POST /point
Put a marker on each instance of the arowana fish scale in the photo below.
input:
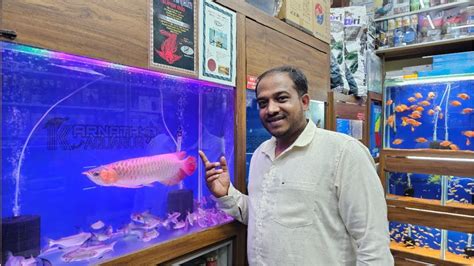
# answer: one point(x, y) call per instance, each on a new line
point(168, 169)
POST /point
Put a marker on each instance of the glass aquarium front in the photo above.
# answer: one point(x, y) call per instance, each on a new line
point(452, 246)
point(430, 113)
point(100, 160)
point(453, 191)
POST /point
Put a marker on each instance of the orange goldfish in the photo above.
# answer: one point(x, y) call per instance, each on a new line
point(468, 134)
point(415, 115)
point(440, 115)
point(391, 120)
point(413, 107)
point(445, 143)
point(418, 95)
point(168, 169)
point(420, 109)
point(431, 112)
point(389, 102)
point(463, 96)
point(468, 142)
point(424, 103)
point(467, 111)
point(431, 95)
point(456, 103)
point(411, 99)
point(454, 147)
point(421, 140)
point(401, 108)
point(397, 141)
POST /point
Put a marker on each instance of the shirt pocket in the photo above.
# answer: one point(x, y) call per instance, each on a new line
point(295, 204)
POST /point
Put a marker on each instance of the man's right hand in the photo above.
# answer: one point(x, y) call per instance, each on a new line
point(217, 180)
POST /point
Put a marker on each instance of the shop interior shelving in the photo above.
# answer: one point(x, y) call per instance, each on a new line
point(426, 212)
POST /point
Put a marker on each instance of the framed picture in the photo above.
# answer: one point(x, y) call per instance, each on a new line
point(173, 35)
point(217, 44)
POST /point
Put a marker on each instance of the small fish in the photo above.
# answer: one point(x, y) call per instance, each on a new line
point(389, 102)
point(87, 253)
point(397, 141)
point(463, 96)
point(466, 111)
point(431, 112)
point(168, 169)
point(454, 147)
point(412, 99)
point(424, 103)
point(413, 107)
point(70, 241)
point(445, 143)
point(440, 115)
point(97, 225)
point(106, 235)
point(431, 95)
point(421, 140)
point(418, 95)
point(401, 108)
point(179, 225)
point(415, 115)
point(391, 120)
point(468, 133)
point(468, 142)
point(150, 235)
point(455, 103)
point(147, 219)
point(419, 109)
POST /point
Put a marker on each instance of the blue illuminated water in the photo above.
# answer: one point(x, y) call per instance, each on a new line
point(108, 113)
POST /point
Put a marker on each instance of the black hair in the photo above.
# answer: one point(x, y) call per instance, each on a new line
point(297, 76)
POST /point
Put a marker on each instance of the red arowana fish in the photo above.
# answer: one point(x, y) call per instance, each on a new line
point(168, 169)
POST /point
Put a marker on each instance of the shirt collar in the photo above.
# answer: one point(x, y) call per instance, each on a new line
point(303, 139)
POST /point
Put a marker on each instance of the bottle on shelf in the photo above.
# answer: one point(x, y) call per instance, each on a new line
point(399, 32)
point(410, 24)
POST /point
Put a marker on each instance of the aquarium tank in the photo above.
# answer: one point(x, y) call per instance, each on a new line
point(430, 113)
point(100, 160)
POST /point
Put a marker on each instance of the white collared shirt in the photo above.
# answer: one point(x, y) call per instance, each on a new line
point(320, 202)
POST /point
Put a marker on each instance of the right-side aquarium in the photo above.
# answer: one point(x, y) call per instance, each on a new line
point(430, 113)
point(100, 160)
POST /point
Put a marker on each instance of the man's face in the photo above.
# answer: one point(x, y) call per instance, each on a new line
point(281, 109)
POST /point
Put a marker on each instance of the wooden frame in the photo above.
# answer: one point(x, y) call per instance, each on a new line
point(347, 107)
point(454, 216)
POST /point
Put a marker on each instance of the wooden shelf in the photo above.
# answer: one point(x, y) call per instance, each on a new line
point(428, 255)
point(429, 48)
point(430, 204)
point(437, 7)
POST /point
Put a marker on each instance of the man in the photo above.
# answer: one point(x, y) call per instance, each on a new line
point(314, 197)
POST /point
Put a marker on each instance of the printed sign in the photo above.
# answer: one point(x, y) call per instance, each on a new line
point(173, 35)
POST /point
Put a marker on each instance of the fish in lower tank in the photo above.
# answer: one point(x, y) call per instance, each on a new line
point(430, 114)
point(432, 241)
point(456, 190)
point(134, 133)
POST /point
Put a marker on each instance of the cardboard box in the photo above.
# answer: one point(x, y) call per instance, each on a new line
point(321, 20)
point(298, 13)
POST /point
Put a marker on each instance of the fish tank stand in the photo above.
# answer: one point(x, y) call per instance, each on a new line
point(21, 236)
point(181, 201)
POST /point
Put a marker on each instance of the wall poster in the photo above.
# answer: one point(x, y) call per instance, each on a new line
point(173, 35)
point(217, 45)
